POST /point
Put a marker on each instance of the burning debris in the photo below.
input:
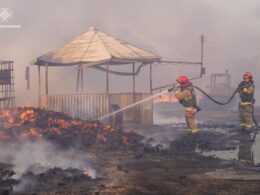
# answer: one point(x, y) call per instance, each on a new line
point(45, 149)
point(19, 124)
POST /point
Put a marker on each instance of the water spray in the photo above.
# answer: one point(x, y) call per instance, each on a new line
point(134, 104)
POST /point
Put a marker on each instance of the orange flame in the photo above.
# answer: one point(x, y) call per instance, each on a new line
point(108, 127)
point(28, 115)
point(165, 98)
point(61, 123)
point(23, 123)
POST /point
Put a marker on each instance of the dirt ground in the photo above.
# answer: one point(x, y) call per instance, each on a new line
point(176, 168)
point(165, 161)
point(156, 173)
point(174, 172)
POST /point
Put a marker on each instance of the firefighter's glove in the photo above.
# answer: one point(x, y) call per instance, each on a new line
point(176, 91)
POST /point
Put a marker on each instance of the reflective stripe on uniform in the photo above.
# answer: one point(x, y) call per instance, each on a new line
point(242, 124)
point(193, 131)
point(245, 125)
point(248, 126)
point(189, 109)
point(245, 103)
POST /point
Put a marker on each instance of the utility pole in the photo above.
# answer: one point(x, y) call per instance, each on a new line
point(202, 70)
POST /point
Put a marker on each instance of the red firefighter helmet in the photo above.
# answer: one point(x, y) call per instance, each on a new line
point(248, 74)
point(183, 80)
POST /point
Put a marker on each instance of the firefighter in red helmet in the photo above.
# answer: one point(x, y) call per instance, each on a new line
point(246, 94)
point(187, 97)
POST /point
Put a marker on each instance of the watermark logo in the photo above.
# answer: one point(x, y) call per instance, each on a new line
point(5, 14)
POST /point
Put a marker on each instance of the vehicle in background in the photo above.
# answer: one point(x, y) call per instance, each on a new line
point(220, 89)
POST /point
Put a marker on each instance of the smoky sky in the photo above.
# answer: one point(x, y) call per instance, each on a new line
point(169, 28)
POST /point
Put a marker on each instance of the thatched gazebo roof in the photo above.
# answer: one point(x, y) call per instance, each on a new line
point(95, 48)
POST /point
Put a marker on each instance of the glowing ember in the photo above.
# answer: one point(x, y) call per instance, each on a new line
point(61, 123)
point(28, 115)
point(33, 132)
point(101, 137)
point(33, 123)
point(56, 130)
point(108, 127)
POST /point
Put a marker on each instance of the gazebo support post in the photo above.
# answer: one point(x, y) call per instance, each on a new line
point(151, 78)
point(134, 78)
point(107, 79)
point(46, 76)
point(151, 86)
point(134, 95)
point(39, 85)
point(107, 90)
point(77, 84)
point(82, 79)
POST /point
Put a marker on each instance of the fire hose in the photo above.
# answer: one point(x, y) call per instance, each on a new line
point(229, 100)
point(171, 89)
point(212, 99)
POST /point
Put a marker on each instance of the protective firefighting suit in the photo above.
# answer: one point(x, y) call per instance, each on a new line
point(246, 94)
point(187, 97)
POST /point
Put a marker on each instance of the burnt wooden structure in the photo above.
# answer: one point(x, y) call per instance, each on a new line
point(97, 50)
point(7, 98)
point(91, 106)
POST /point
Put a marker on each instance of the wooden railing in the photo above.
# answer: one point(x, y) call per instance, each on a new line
point(94, 105)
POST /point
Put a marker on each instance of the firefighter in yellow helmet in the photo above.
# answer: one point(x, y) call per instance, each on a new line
point(187, 97)
point(246, 94)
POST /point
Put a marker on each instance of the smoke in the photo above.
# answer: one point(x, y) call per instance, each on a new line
point(169, 28)
point(26, 156)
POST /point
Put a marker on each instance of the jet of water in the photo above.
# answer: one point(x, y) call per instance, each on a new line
point(132, 105)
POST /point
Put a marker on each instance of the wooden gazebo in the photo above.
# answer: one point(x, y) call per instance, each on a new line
point(96, 49)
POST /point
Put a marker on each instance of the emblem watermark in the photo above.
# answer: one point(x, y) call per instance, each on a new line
point(6, 15)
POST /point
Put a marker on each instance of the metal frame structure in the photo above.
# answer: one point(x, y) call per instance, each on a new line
point(7, 98)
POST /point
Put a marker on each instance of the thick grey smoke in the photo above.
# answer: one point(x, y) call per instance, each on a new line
point(24, 156)
point(169, 28)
